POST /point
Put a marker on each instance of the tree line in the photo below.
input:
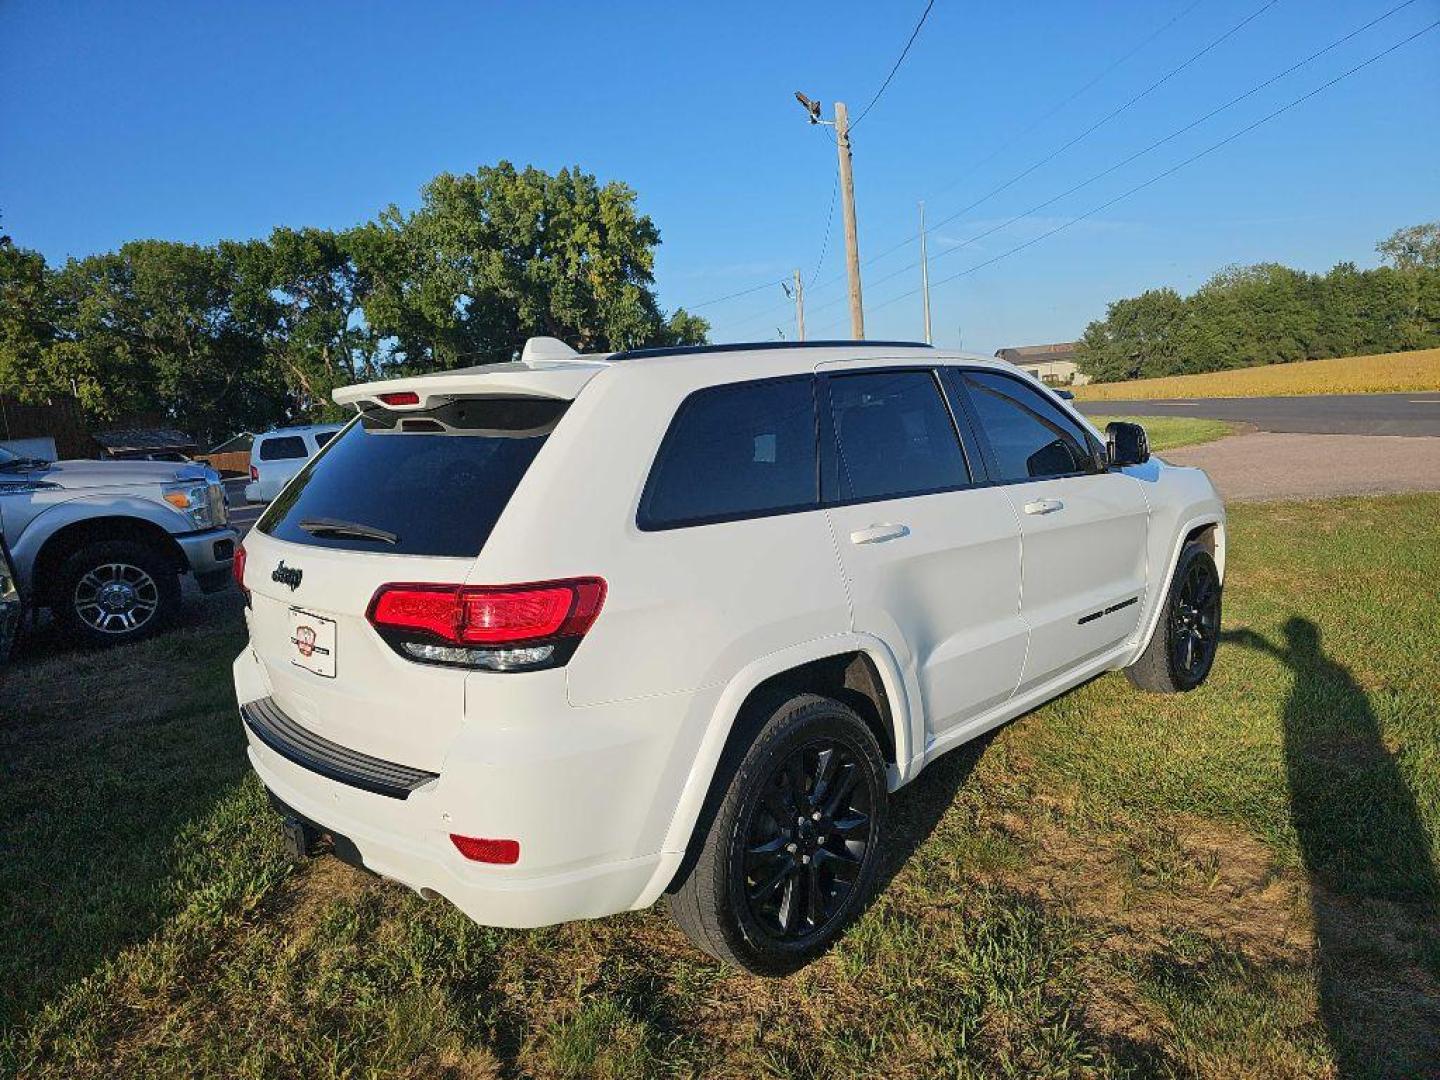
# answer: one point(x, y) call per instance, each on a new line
point(242, 335)
point(1246, 316)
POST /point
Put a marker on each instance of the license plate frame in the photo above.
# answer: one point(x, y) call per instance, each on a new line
point(312, 643)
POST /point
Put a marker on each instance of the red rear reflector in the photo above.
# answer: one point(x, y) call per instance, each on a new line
point(237, 568)
point(477, 849)
point(401, 397)
point(491, 615)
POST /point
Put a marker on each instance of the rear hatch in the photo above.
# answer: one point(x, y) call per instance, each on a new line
point(407, 493)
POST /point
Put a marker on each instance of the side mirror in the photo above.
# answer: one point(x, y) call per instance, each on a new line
point(1068, 395)
point(1126, 444)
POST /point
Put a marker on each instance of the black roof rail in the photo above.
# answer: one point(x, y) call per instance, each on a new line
point(755, 346)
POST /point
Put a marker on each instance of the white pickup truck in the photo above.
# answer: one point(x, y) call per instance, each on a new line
point(103, 543)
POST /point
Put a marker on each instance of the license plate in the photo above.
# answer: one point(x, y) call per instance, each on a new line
point(312, 642)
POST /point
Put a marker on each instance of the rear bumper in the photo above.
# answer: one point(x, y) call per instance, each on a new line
point(407, 839)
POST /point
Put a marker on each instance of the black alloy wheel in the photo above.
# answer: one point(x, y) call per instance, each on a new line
point(1194, 628)
point(806, 839)
point(789, 845)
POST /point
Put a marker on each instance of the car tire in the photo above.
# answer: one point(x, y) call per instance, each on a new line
point(115, 591)
point(1182, 648)
point(793, 846)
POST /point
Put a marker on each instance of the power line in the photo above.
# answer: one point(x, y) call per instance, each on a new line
point(1232, 31)
point(733, 295)
point(1174, 168)
point(825, 243)
point(1152, 146)
point(913, 35)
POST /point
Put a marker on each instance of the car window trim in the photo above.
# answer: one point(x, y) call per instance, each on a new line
point(647, 524)
point(962, 391)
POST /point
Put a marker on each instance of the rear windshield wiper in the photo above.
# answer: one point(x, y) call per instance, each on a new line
point(334, 527)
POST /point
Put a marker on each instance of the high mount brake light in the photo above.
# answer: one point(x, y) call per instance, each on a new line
point(499, 628)
point(400, 397)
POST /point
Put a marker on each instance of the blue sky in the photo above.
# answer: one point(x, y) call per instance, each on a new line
point(197, 121)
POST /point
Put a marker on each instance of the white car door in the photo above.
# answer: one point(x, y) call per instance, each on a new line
point(932, 561)
point(1083, 527)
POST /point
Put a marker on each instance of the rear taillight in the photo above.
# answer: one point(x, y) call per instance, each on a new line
point(254, 475)
point(237, 569)
point(497, 628)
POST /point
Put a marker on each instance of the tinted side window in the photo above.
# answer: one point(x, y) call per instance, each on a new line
point(323, 437)
point(1030, 437)
point(735, 451)
point(282, 447)
point(893, 436)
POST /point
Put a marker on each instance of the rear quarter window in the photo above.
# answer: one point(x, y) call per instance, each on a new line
point(742, 450)
point(283, 447)
point(435, 480)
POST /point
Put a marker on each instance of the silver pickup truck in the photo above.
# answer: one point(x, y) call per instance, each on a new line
point(103, 543)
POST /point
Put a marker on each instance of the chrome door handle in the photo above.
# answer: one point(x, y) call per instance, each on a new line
point(1044, 506)
point(877, 534)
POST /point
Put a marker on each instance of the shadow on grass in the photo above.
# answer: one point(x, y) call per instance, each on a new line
point(1367, 855)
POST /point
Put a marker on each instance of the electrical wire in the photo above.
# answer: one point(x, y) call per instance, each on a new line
point(903, 52)
point(1174, 168)
point(1232, 31)
point(1142, 152)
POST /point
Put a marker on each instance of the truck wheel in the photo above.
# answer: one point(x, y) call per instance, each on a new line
point(1182, 648)
point(115, 591)
point(792, 853)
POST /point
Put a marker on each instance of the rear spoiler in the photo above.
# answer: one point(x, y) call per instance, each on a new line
point(547, 368)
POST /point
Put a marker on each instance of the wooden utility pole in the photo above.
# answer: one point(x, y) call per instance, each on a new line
point(852, 240)
point(799, 308)
point(925, 275)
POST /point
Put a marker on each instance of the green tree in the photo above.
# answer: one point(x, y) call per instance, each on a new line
point(497, 256)
point(302, 293)
point(150, 331)
point(26, 322)
point(1412, 248)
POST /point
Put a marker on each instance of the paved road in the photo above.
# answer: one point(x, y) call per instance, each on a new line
point(1269, 465)
point(1331, 414)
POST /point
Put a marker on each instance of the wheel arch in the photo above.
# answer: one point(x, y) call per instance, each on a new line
point(1208, 527)
point(70, 537)
point(854, 668)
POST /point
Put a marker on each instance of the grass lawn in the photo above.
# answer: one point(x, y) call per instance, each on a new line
point(1173, 432)
point(1387, 373)
point(1236, 882)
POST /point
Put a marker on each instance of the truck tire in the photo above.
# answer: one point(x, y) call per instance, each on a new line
point(1182, 648)
point(793, 851)
point(115, 591)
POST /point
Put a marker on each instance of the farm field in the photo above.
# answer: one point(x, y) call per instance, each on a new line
point(1386, 373)
point(1235, 882)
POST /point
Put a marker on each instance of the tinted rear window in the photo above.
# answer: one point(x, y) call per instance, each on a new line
point(283, 447)
point(893, 436)
point(742, 450)
point(437, 480)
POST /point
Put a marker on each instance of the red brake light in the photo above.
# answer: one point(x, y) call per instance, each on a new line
point(477, 849)
point(490, 617)
point(400, 397)
point(237, 569)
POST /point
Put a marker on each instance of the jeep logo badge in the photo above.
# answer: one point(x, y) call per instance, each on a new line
point(287, 575)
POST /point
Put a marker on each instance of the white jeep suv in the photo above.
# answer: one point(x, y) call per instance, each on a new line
point(554, 637)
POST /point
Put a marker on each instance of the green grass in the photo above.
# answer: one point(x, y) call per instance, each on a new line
point(1173, 432)
point(1235, 882)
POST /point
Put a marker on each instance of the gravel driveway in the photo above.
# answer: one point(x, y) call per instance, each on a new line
point(1266, 465)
